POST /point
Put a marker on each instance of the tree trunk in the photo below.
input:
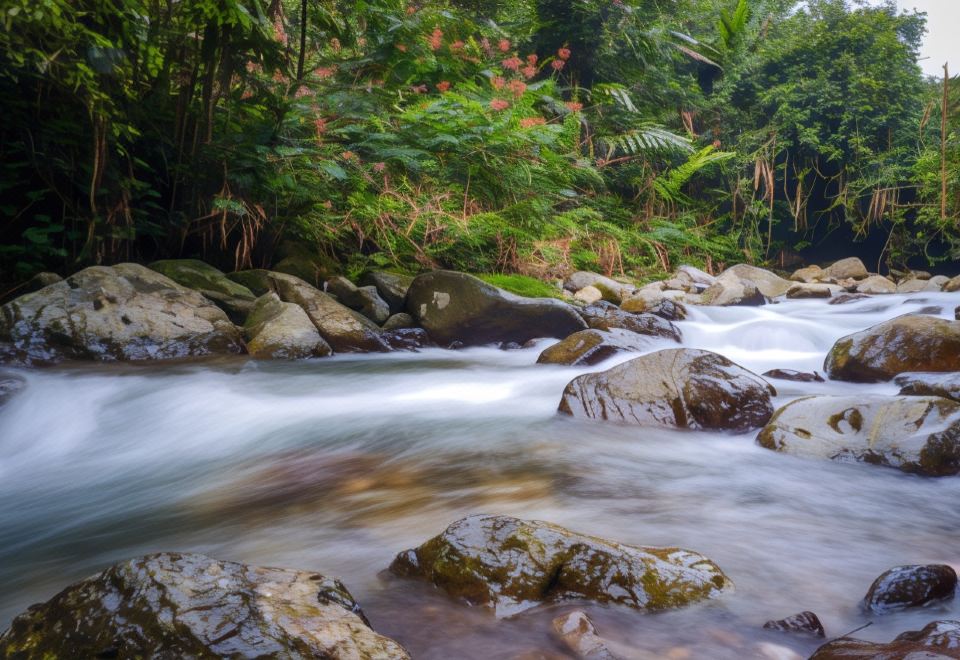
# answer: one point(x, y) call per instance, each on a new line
point(303, 39)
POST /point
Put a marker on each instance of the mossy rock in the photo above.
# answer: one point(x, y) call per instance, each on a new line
point(172, 605)
point(391, 286)
point(937, 640)
point(903, 587)
point(509, 565)
point(589, 347)
point(232, 297)
point(279, 330)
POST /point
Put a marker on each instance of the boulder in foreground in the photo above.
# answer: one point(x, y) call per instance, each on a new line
point(510, 565)
point(910, 586)
point(173, 605)
point(456, 307)
point(936, 641)
point(674, 388)
point(915, 434)
point(589, 347)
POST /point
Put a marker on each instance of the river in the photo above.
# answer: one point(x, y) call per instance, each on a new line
point(335, 465)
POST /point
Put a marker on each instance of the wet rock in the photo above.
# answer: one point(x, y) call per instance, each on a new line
point(407, 339)
point(606, 316)
point(939, 281)
point(673, 388)
point(233, 298)
point(510, 565)
point(729, 289)
point(915, 434)
point(946, 385)
point(936, 641)
point(910, 586)
point(915, 285)
point(589, 347)
point(279, 330)
point(298, 260)
point(770, 284)
point(956, 313)
point(256, 280)
point(392, 287)
point(122, 312)
point(845, 298)
point(812, 291)
point(646, 300)
point(694, 278)
point(906, 343)
point(851, 267)
point(804, 622)
point(808, 275)
point(876, 284)
point(610, 290)
point(671, 310)
point(588, 295)
point(796, 376)
point(952, 285)
point(364, 299)
point(39, 281)
point(578, 634)
point(456, 307)
point(399, 321)
point(174, 605)
point(10, 384)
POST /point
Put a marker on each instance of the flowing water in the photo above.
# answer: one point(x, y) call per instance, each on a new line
point(335, 465)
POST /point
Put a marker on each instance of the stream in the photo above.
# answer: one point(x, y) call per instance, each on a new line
point(334, 465)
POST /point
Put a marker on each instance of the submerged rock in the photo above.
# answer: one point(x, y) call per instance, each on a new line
point(10, 384)
point(578, 634)
point(606, 316)
point(906, 343)
point(122, 312)
point(510, 565)
point(673, 388)
point(283, 331)
point(456, 307)
point(914, 434)
point(804, 622)
point(937, 641)
point(796, 376)
point(233, 298)
point(910, 586)
point(946, 385)
point(172, 605)
point(589, 347)
point(845, 298)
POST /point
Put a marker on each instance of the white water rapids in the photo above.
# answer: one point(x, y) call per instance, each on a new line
point(335, 465)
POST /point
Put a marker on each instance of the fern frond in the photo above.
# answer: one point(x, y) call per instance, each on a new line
point(649, 139)
point(669, 185)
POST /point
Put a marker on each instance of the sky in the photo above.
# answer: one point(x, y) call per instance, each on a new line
point(940, 43)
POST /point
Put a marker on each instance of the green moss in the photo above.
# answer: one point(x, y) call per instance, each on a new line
point(521, 285)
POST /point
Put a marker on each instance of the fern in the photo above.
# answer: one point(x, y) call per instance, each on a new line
point(649, 139)
point(669, 185)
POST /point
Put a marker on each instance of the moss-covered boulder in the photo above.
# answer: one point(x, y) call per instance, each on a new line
point(256, 280)
point(122, 312)
point(173, 605)
point(946, 385)
point(279, 330)
point(906, 343)
point(938, 640)
point(392, 287)
point(606, 316)
point(910, 586)
point(589, 347)
point(509, 565)
point(915, 434)
point(674, 388)
point(456, 307)
point(363, 299)
point(233, 298)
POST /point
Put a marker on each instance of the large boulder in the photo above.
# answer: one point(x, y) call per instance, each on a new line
point(808, 274)
point(730, 289)
point(915, 434)
point(906, 343)
point(946, 385)
point(606, 316)
point(910, 586)
point(392, 287)
point(233, 298)
point(589, 347)
point(952, 284)
point(673, 388)
point(122, 312)
point(279, 330)
point(173, 605)
point(938, 640)
point(770, 284)
point(876, 284)
point(456, 307)
point(849, 268)
point(510, 565)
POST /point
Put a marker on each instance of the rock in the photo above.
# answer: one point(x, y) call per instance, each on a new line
point(917, 285)
point(910, 586)
point(610, 290)
point(363, 299)
point(10, 384)
point(456, 307)
point(344, 329)
point(851, 267)
point(510, 565)
point(280, 330)
point(808, 275)
point(696, 279)
point(845, 298)
point(643, 300)
point(920, 275)
point(796, 376)
point(905, 343)
point(588, 295)
point(407, 339)
point(770, 284)
point(41, 280)
point(392, 287)
point(606, 316)
point(915, 434)
point(956, 313)
point(673, 388)
point(233, 298)
point(938, 640)
point(876, 284)
point(671, 310)
point(925, 384)
point(729, 289)
point(589, 347)
point(938, 281)
point(299, 260)
point(399, 321)
point(256, 280)
point(804, 622)
point(122, 312)
point(952, 285)
point(172, 605)
point(578, 634)
point(812, 291)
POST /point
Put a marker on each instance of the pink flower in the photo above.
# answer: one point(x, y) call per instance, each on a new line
point(557, 64)
point(499, 104)
point(518, 87)
point(563, 53)
point(418, 89)
point(485, 44)
point(504, 45)
point(443, 86)
point(532, 59)
point(279, 33)
point(512, 63)
point(325, 72)
point(436, 39)
point(411, 10)
point(529, 71)
point(457, 46)
point(302, 91)
point(530, 122)
point(379, 167)
point(498, 82)
point(320, 125)
point(574, 106)
point(348, 155)
point(402, 48)
point(335, 45)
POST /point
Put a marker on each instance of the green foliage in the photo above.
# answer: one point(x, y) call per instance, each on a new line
point(521, 285)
